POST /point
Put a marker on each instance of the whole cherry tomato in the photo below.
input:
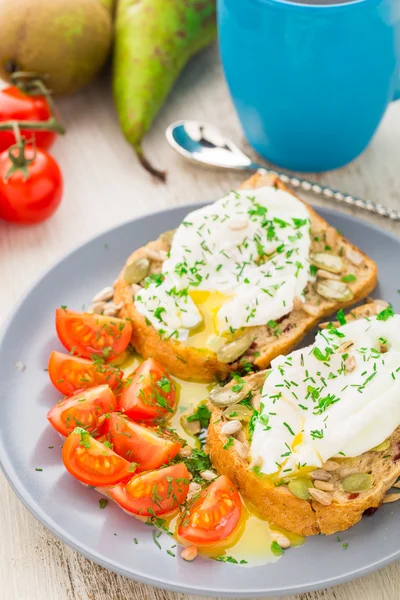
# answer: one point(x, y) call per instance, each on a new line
point(17, 106)
point(31, 196)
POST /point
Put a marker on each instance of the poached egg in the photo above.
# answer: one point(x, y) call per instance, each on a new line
point(237, 263)
point(336, 398)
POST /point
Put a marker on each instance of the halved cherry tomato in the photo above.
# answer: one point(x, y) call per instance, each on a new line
point(150, 448)
point(153, 493)
point(70, 373)
point(92, 462)
point(84, 409)
point(17, 106)
point(87, 334)
point(214, 514)
point(151, 395)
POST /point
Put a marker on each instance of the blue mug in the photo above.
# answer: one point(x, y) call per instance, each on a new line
point(310, 80)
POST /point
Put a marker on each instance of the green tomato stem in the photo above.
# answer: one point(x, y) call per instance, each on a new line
point(51, 124)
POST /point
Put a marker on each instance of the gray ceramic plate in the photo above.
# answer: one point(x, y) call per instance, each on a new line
point(72, 512)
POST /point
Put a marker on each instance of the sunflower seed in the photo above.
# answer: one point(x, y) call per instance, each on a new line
point(350, 363)
point(156, 255)
point(391, 498)
point(354, 257)
point(189, 553)
point(323, 485)
point(241, 448)
point(321, 274)
point(321, 475)
point(97, 308)
point(208, 475)
point(345, 346)
point(311, 309)
point(231, 427)
point(257, 461)
point(167, 237)
point(186, 451)
point(194, 489)
point(105, 294)
point(347, 471)
point(281, 539)
point(135, 288)
point(320, 496)
point(330, 465)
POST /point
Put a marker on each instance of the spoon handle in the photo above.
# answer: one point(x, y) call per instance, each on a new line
point(320, 190)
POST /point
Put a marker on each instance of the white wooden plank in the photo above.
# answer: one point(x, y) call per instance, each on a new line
point(104, 186)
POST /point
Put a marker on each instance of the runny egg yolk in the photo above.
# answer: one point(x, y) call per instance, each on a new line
point(207, 334)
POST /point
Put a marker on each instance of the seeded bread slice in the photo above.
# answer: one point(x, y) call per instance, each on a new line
point(199, 364)
point(328, 511)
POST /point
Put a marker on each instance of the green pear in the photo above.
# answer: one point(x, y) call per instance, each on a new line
point(154, 39)
point(65, 42)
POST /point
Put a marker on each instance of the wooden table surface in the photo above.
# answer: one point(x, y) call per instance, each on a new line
point(105, 186)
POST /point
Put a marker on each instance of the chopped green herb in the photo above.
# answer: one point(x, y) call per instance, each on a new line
point(276, 549)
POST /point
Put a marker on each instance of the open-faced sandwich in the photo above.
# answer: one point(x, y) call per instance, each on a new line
point(240, 282)
point(306, 447)
point(320, 444)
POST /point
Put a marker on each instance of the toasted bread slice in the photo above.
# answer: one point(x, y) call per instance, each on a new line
point(199, 364)
point(337, 510)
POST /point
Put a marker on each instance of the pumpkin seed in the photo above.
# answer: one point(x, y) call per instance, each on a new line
point(380, 447)
point(225, 396)
point(357, 482)
point(334, 290)
point(327, 261)
point(239, 412)
point(300, 487)
point(233, 350)
point(137, 270)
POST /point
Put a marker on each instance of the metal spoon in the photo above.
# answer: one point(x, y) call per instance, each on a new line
point(203, 143)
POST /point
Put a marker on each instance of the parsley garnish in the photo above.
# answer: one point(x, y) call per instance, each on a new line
point(276, 549)
point(385, 314)
point(340, 317)
point(202, 414)
point(229, 443)
point(349, 278)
